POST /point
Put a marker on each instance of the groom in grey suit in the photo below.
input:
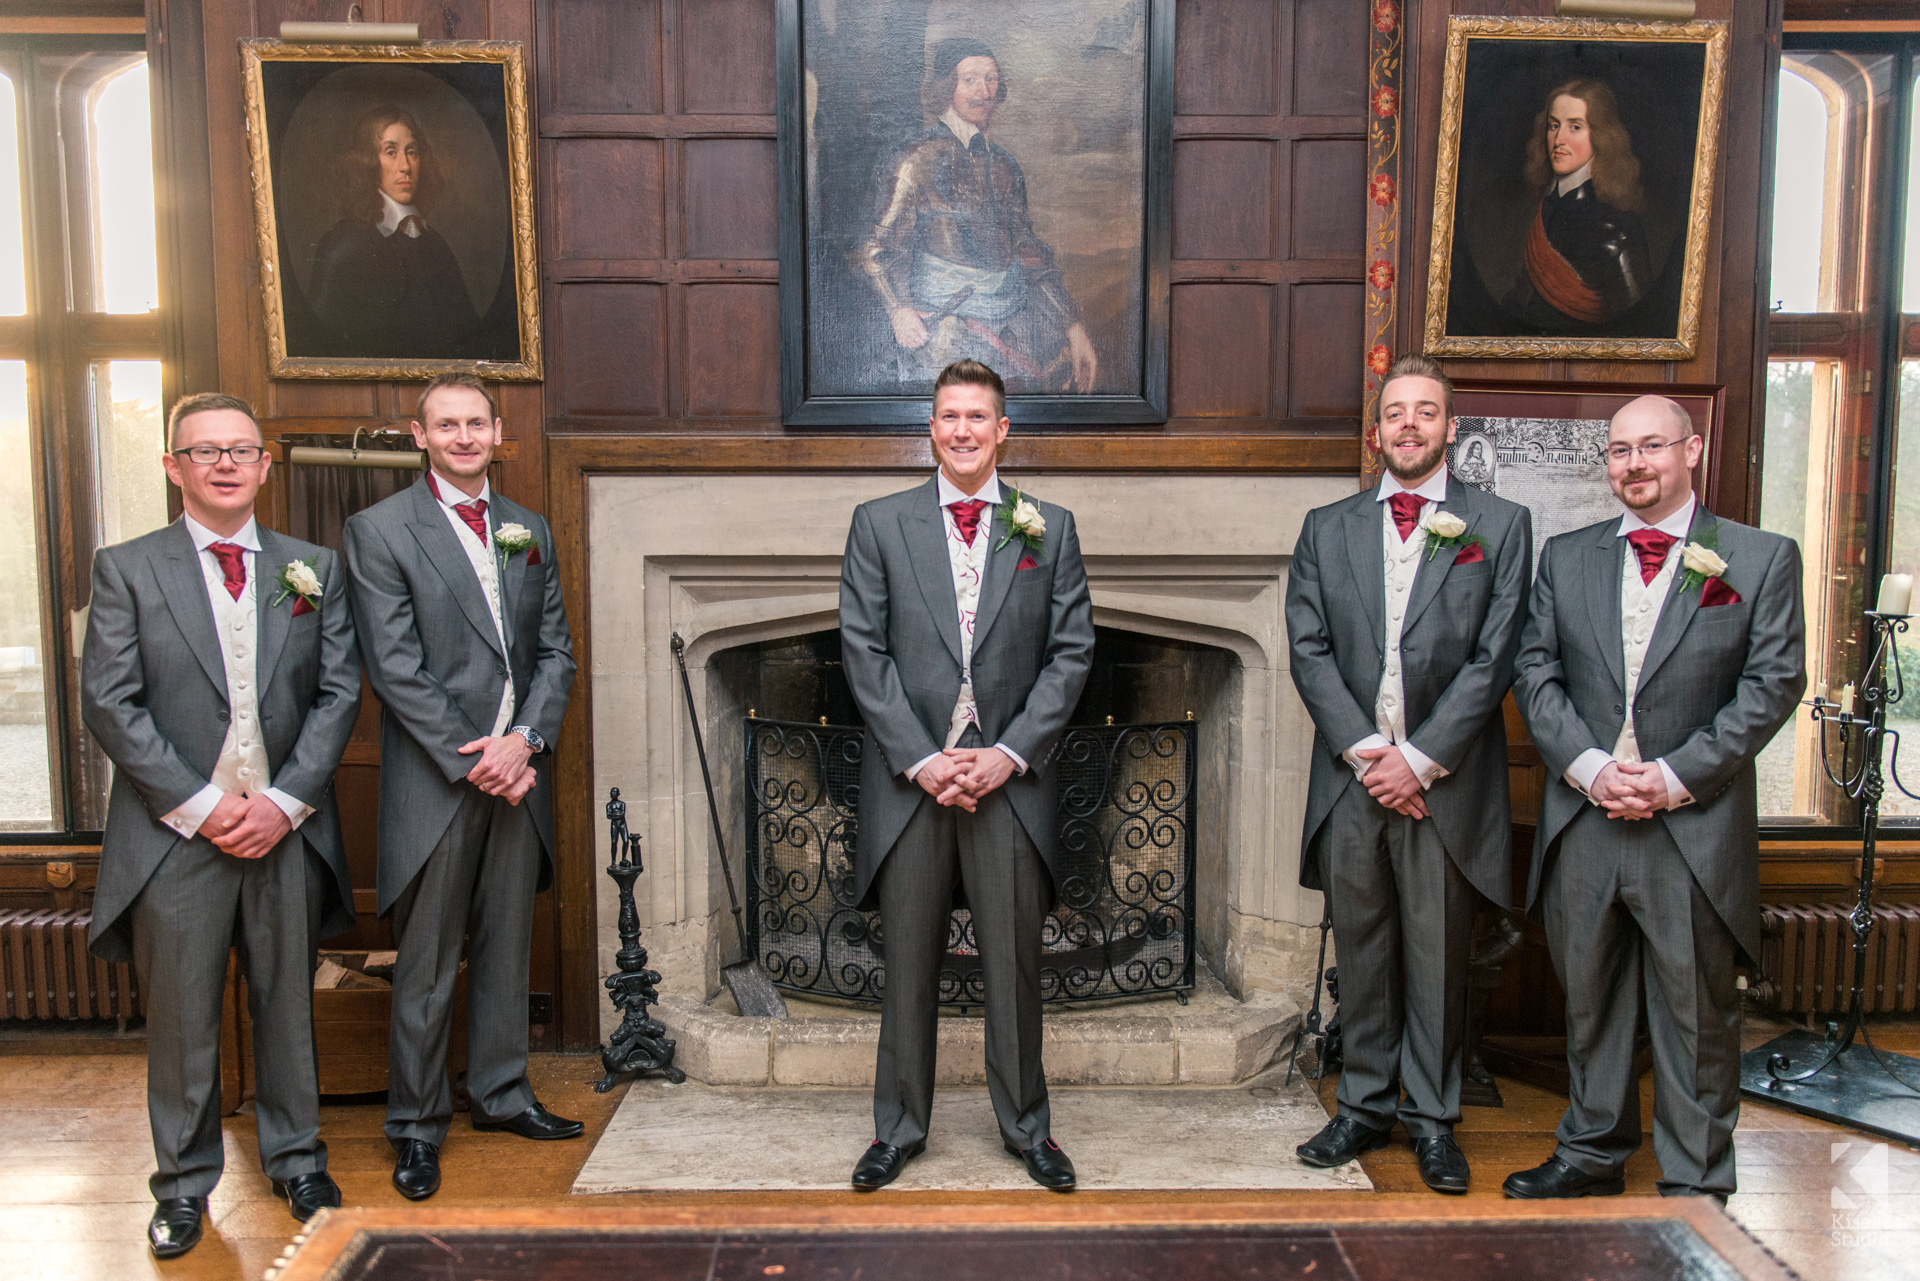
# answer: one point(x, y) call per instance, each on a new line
point(457, 594)
point(1404, 608)
point(967, 634)
point(219, 675)
point(1663, 650)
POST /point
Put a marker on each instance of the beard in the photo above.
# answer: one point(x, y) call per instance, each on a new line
point(1649, 498)
point(1405, 469)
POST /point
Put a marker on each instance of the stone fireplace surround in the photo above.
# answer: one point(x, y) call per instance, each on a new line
point(732, 560)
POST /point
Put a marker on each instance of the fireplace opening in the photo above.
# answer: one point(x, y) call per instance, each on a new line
point(1143, 785)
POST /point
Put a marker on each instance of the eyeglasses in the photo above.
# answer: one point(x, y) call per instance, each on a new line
point(207, 455)
point(1650, 450)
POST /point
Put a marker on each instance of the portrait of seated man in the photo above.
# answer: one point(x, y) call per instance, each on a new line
point(953, 254)
point(385, 282)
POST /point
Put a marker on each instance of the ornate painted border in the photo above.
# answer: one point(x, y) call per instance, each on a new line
point(1384, 65)
point(526, 261)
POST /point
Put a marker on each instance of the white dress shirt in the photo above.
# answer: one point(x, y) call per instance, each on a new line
point(241, 769)
point(1574, 179)
point(961, 130)
point(1640, 606)
point(1403, 557)
point(480, 555)
point(393, 213)
point(969, 563)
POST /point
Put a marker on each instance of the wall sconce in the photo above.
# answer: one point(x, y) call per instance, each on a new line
point(352, 31)
point(1649, 10)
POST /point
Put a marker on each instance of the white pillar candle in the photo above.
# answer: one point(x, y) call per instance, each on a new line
point(1896, 593)
point(1846, 698)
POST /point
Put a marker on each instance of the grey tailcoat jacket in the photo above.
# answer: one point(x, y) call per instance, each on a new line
point(1718, 681)
point(1457, 646)
point(153, 692)
point(434, 658)
point(900, 641)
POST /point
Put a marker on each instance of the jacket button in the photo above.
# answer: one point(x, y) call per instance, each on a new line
point(1619, 710)
point(223, 713)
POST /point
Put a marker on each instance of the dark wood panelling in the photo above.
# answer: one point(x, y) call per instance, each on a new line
point(726, 57)
point(1222, 343)
point(733, 349)
point(611, 341)
point(1328, 37)
point(732, 192)
point(1324, 324)
point(1328, 199)
point(1225, 55)
point(626, 218)
point(1223, 198)
point(612, 56)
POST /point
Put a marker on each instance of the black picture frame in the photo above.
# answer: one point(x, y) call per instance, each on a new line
point(803, 403)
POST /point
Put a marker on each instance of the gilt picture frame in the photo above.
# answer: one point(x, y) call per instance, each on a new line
point(393, 209)
point(1573, 188)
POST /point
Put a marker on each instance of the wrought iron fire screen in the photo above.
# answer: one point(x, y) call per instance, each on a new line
point(1122, 924)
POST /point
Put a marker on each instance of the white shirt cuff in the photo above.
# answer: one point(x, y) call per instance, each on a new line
point(296, 811)
point(1424, 767)
point(913, 775)
point(1585, 768)
point(1677, 793)
point(193, 811)
point(1361, 765)
point(1019, 765)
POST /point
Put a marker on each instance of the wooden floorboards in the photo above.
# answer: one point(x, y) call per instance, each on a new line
point(74, 1156)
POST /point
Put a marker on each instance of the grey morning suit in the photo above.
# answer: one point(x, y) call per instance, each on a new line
point(154, 693)
point(1033, 646)
point(456, 865)
point(1663, 905)
point(1400, 889)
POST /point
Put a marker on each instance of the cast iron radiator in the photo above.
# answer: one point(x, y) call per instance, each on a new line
point(1806, 954)
point(1122, 925)
point(46, 972)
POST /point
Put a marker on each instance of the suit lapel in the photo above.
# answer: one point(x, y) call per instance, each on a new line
point(997, 577)
point(1366, 557)
point(1602, 570)
point(1680, 606)
point(443, 551)
point(513, 568)
point(271, 622)
point(925, 535)
point(185, 588)
point(1433, 570)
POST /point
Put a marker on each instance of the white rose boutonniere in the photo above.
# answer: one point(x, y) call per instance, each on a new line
point(1021, 515)
point(1701, 562)
point(298, 579)
point(511, 538)
point(1444, 531)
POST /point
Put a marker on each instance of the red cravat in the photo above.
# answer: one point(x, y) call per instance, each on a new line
point(966, 516)
point(1651, 546)
point(233, 566)
point(1406, 511)
point(474, 513)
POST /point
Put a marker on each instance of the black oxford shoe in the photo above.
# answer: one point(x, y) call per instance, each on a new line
point(535, 1123)
point(1340, 1141)
point(1047, 1165)
point(307, 1194)
point(1443, 1166)
point(1555, 1178)
point(880, 1164)
point(416, 1170)
point(175, 1226)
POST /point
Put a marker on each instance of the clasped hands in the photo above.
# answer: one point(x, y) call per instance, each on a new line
point(963, 775)
point(502, 769)
point(1391, 781)
point(246, 826)
point(1630, 790)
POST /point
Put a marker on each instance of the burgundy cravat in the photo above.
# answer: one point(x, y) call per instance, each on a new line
point(233, 566)
point(474, 513)
point(1406, 511)
point(1651, 546)
point(966, 516)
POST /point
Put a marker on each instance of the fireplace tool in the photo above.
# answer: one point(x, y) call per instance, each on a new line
point(752, 990)
point(1325, 1046)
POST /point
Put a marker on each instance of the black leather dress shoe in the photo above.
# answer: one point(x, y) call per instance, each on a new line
point(1443, 1166)
point(880, 1164)
point(535, 1123)
point(1047, 1165)
point(307, 1194)
point(1556, 1178)
point(1340, 1141)
point(416, 1170)
point(175, 1226)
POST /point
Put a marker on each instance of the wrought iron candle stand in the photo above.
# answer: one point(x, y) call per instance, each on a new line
point(639, 1045)
point(1842, 1086)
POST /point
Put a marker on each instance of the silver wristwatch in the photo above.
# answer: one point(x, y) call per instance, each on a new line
point(534, 740)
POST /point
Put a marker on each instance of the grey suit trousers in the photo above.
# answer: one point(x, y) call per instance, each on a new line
point(1624, 914)
point(1402, 927)
point(199, 902)
point(1006, 887)
point(476, 889)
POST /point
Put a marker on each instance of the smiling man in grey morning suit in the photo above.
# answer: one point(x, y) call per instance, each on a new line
point(967, 633)
point(1404, 608)
point(219, 676)
point(457, 594)
point(1663, 650)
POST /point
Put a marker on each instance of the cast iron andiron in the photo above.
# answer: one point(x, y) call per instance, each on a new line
point(639, 1045)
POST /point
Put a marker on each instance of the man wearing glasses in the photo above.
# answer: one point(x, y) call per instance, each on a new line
point(220, 676)
point(1663, 650)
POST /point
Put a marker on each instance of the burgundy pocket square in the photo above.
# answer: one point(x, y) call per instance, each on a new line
point(1471, 554)
point(1716, 592)
point(533, 554)
point(1026, 562)
point(301, 605)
